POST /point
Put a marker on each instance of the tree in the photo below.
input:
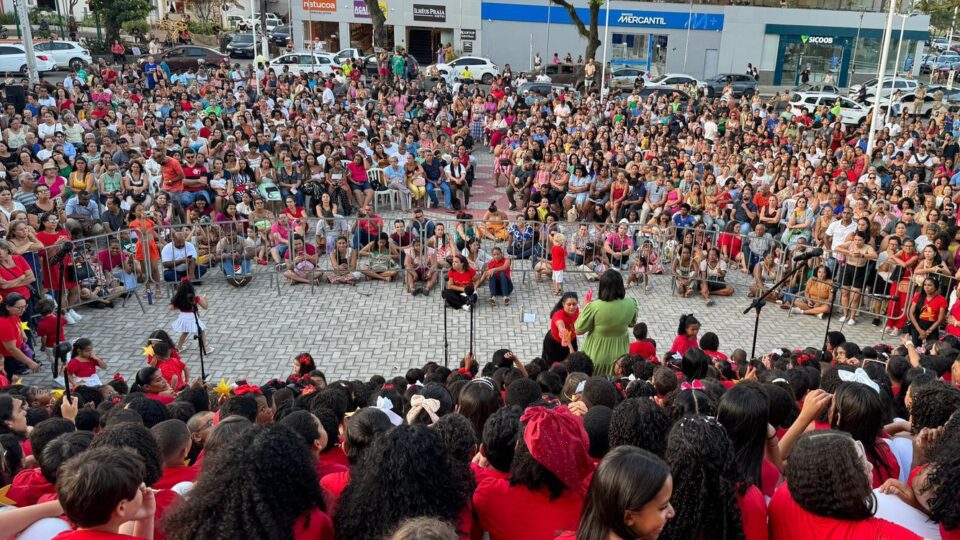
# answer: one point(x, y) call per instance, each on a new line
point(379, 20)
point(208, 11)
point(116, 12)
point(940, 11)
point(591, 33)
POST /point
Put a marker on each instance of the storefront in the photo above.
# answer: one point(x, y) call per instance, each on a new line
point(840, 56)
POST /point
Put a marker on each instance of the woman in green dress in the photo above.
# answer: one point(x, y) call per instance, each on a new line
point(605, 322)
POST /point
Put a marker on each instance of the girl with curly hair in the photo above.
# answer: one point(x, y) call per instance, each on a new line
point(827, 493)
point(629, 497)
point(262, 485)
point(701, 461)
point(406, 473)
point(544, 493)
point(858, 410)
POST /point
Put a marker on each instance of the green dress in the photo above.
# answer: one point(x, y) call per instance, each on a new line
point(606, 325)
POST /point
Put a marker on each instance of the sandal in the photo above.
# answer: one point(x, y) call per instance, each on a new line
point(506, 301)
point(493, 302)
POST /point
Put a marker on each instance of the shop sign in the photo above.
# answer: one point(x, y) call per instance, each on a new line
point(322, 6)
point(817, 40)
point(467, 47)
point(361, 12)
point(631, 19)
point(468, 34)
point(429, 13)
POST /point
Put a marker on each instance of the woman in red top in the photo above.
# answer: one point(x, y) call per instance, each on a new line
point(53, 236)
point(561, 340)
point(428, 482)
point(858, 410)
point(279, 494)
point(149, 380)
point(361, 187)
point(629, 497)
point(15, 272)
point(827, 493)
point(12, 337)
point(927, 313)
point(705, 494)
point(905, 260)
point(461, 279)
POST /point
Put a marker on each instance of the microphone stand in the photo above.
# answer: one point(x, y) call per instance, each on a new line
point(60, 351)
point(199, 338)
point(761, 301)
point(834, 289)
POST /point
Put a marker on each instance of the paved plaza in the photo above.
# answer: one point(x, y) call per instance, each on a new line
point(377, 328)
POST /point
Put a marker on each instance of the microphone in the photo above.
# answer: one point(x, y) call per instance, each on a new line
point(807, 255)
point(62, 254)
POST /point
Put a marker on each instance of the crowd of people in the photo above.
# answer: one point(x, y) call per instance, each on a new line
point(135, 173)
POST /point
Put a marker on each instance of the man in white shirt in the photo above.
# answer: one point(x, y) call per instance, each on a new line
point(710, 128)
point(179, 259)
point(838, 232)
point(457, 178)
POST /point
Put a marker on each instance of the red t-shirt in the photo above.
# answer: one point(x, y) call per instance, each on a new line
point(682, 343)
point(334, 484)
point(171, 170)
point(173, 366)
point(81, 368)
point(769, 477)
point(166, 400)
point(511, 512)
point(788, 521)
point(931, 308)
point(28, 486)
point(194, 173)
point(174, 475)
point(645, 349)
point(47, 329)
point(464, 278)
point(953, 329)
point(314, 525)
point(334, 456)
point(880, 475)
point(558, 258)
point(568, 322)
point(732, 243)
point(166, 500)
point(19, 268)
point(10, 331)
point(753, 512)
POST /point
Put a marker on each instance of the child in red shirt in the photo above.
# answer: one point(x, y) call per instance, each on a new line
point(558, 261)
point(82, 367)
point(47, 327)
point(105, 481)
point(167, 360)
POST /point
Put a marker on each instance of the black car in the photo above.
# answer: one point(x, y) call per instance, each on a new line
point(242, 46)
point(370, 66)
point(281, 35)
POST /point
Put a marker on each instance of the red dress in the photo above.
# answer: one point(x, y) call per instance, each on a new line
point(896, 311)
point(512, 512)
point(51, 274)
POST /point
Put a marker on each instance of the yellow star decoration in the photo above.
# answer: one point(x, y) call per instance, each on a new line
point(223, 388)
point(148, 350)
point(18, 381)
point(56, 393)
point(4, 500)
point(24, 326)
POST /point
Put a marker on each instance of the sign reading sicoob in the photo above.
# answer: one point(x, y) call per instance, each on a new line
point(817, 40)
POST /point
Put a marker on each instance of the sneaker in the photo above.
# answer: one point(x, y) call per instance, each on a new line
point(647, 287)
point(851, 321)
point(710, 303)
point(69, 318)
point(797, 311)
point(843, 319)
point(821, 316)
point(76, 316)
point(466, 307)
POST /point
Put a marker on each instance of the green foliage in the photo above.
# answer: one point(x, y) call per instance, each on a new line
point(132, 27)
point(98, 46)
point(208, 28)
point(7, 19)
point(37, 15)
point(113, 13)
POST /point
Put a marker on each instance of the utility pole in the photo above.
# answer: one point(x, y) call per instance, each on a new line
point(884, 53)
point(26, 34)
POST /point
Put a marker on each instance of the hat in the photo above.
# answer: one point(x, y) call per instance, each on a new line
point(49, 165)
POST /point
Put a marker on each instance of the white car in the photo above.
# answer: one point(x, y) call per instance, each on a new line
point(890, 85)
point(851, 112)
point(65, 54)
point(482, 69)
point(13, 58)
point(306, 62)
point(272, 21)
point(348, 54)
point(672, 80)
point(625, 78)
point(951, 101)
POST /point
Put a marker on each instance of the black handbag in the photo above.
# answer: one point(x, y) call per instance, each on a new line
point(80, 270)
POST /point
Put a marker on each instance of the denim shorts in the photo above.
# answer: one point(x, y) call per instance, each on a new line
point(361, 187)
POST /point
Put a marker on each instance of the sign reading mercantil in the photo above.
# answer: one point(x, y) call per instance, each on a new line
point(630, 18)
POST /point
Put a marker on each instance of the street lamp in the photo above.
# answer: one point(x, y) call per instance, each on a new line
point(896, 65)
point(606, 41)
point(884, 54)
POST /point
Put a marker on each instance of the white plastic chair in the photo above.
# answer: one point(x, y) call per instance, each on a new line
point(375, 175)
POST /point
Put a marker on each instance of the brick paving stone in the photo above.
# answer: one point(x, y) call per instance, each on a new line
point(376, 328)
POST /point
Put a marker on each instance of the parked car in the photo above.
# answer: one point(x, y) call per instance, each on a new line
point(658, 91)
point(672, 80)
point(851, 112)
point(370, 65)
point(242, 46)
point(306, 62)
point(816, 88)
point(625, 78)
point(890, 85)
point(482, 69)
point(932, 62)
point(540, 90)
point(273, 21)
point(940, 44)
point(951, 100)
point(743, 85)
point(13, 58)
point(190, 56)
point(281, 35)
point(571, 74)
point(65, 54)
point(344, 54)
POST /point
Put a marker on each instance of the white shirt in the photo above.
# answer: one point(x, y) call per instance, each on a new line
point(171, 253)
point(839, 232)
point(710, 130)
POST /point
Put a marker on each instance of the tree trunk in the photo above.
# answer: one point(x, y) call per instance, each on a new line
point(379, 20)
point(593, 40)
